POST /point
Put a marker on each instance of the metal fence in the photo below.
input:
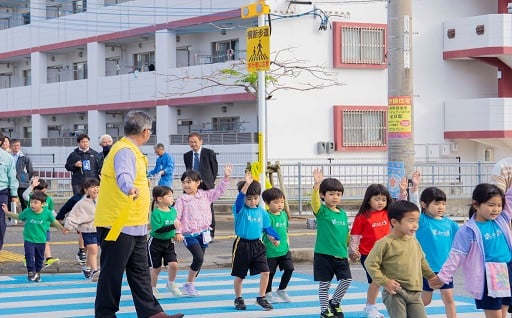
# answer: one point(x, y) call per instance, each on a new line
point(457, 179)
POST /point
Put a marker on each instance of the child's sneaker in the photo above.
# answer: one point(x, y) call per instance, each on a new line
point(189, 289)
point(156, 293)
point(327, 313)
point(240, 304)
point(283, 295)
point(371, 311)
point(263, 303)
point(50, 261)
point(336, 309)
point(87, 272)
point(31, 275)
point(270, 297)
point(36, 278)
point(95, 275)
point(80, 256)
point(174, 290)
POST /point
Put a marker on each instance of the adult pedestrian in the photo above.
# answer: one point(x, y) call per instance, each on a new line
point(8, 185)
point(121, 221)
point(164, 167)
point(24, 169)
point(106, 143)
point(82, 163)
point(203, 160)
point(6, 144)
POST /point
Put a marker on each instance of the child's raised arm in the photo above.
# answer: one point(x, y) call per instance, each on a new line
point(9, 214)
point(318, 176)
point(228, 169)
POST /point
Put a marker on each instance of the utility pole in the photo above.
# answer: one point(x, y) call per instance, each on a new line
point(400, 85)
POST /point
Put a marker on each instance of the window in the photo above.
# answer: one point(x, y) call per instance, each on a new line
point(224, 51)
point(359, 45)
point(27, 77)
point(79, 71)
point(225, 124)
point(79, 6)
point(184, 126)
point(26, 18)
point(143, 60)
point(5, 80)
point(359, 128)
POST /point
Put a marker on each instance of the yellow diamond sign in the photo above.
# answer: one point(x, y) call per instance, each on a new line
point(258, 49)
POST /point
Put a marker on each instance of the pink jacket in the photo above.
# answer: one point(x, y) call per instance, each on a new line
point(194, 211)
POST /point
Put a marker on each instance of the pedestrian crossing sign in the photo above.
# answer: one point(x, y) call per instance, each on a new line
point(258, 49)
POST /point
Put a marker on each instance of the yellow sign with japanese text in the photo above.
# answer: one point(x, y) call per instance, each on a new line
point(399, 117)
point(258, 49)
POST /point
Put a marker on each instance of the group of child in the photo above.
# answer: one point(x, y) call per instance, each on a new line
point(407, 247)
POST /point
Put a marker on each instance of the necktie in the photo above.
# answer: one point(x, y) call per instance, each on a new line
point(195, 164)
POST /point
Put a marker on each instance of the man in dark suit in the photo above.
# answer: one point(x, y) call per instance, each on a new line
point(203, 160)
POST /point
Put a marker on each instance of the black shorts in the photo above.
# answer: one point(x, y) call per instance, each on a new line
point(285, 262)
point(248, 255)
point(160, 249)
point(326, 266)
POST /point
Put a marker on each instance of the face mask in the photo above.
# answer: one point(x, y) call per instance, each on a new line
point(107, 148)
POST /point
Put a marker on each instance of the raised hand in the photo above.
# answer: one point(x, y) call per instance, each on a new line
point(318, 176)
point(228, 169)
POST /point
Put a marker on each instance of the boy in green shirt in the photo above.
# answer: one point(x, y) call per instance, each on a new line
point(280, 254)
point(398, 263)
point(331, 254)
point(37, 220)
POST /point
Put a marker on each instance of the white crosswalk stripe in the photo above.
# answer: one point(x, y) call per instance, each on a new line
point(70, 295)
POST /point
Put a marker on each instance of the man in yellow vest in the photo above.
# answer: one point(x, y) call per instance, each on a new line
point(121, 220)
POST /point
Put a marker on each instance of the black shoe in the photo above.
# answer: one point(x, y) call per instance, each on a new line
point(87, 272)
point(31, 276)
point(36, 278)
point(336, 309)
point(240, 304)
point(263, 303)
point(327, 313)
point(80, 256)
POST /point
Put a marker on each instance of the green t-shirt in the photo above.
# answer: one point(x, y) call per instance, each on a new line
point(332, 232)
point(161, 218)
point(36, 224)
point(280, 224)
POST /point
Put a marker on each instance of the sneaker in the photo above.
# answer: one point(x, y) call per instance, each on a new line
point(189, 289)
point(327, 313)
point(80, 256)
point(31, 275)
point(24, 262)
point(371, 311)
point(174, 290)
point(270, 297)
point(87, 272)
point(95, 275)
point(36, 278)
point(336, 309)
point(240, 304)
point(283, 295)
point(156, 293)
point(50, 261)
point(263, 303)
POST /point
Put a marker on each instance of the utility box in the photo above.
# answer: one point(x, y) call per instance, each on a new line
point(321, 147)
point(329, 146)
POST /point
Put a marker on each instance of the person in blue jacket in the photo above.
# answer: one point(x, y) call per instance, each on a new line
point(164, 167)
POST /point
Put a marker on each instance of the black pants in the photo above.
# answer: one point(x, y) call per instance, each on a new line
point(128, 253)
point(4, 198)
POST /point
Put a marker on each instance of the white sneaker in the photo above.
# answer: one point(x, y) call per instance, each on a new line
point(174, 290)
point(270, 297)
point(156, 293)
point(283, 295)
point(371, 311)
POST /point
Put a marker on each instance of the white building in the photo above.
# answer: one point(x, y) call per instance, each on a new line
point(70, 67)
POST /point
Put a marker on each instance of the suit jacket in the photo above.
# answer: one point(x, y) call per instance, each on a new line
point(208, 166)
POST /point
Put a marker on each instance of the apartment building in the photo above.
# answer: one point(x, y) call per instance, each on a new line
point(68, 67)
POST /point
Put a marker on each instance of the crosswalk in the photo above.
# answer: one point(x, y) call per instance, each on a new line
point(69, 295)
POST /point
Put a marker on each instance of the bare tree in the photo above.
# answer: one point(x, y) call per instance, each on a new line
point(287, 72)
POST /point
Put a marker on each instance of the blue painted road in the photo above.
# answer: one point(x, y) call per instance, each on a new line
point(70, 295)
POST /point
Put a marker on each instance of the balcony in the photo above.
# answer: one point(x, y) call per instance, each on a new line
point(484, 35)
point(218, 138)
point(483, 118)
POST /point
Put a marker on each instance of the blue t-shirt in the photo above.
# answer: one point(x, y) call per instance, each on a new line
point(436, 237)
point(249, 222)
point(495, 243)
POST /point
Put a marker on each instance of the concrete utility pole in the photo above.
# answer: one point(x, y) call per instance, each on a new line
point(400, 85)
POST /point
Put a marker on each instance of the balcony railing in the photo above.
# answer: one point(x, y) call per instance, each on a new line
point(218, 138)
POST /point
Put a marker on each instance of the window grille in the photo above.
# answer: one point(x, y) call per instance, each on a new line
point(362, 45)
point(362, 127)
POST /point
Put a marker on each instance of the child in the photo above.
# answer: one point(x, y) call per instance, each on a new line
point(435, 234)
point(330, 256)
point(249, 254)
point(64, 210)
point(160, 243)
point(195, 216)
point(278, 255)
point(38, 184)
point(37, 223)
point(370, 225)
point(397, 263)
point(81, 218)
point(482, 248)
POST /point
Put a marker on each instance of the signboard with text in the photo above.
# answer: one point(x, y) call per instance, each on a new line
point(399, 117)
point(258, 49)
